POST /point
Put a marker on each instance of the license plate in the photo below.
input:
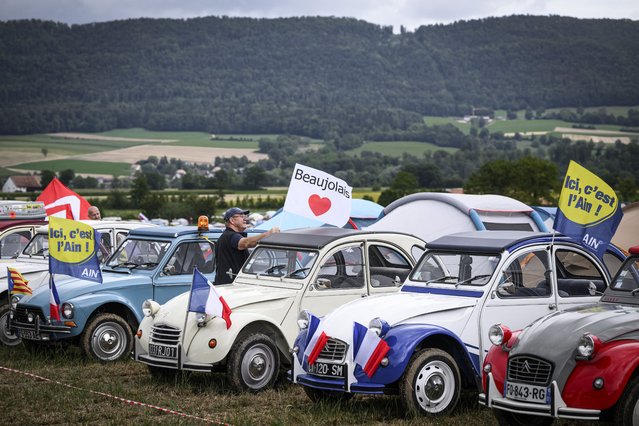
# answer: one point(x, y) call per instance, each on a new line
point(528, 393)
point(327, 369)
point(162, 351)
point(28, 334)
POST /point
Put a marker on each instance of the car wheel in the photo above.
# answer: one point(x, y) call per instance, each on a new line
point(107, 338)
point(7, 338)
point(431, 383)
point(321, 395)
point(254, 363)
point(504, 418)
point(627, 408)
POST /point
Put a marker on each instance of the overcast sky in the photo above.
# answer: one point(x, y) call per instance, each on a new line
point(409, 13)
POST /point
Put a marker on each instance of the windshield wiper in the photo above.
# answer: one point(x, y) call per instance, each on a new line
point(129, 265)
point(275, 268)
point(296, 272)
point(473, 278)
point(441, 279)
point(146, 265)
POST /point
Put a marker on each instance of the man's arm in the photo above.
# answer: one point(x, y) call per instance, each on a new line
point(250, 242)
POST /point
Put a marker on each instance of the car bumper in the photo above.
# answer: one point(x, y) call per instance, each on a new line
point(180, 362)
point(40, 331)
point(339, 385)
point(556, 409)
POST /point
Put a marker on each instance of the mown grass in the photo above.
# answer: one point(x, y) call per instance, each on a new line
point(60, 146)
point(79, 166)
point(80, 391)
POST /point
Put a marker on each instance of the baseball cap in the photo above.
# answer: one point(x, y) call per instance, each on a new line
point(233, 211)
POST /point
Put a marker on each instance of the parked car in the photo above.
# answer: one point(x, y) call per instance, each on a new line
point(18, 222)
point(311, 268)
point(33, 263)
point(436, 327)
point(579, 364)
point(153, 262)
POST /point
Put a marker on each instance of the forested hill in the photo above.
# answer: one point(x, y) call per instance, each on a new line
point(308, 76)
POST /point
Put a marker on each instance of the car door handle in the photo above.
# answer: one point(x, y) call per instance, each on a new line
point(552, 306)
point(364, 295)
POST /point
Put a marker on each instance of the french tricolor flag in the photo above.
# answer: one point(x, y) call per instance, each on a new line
point(368, 349)
point(205, 299)
point(54, 300)
point(314, 342)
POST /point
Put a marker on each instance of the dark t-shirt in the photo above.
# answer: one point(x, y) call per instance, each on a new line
point(228, 256)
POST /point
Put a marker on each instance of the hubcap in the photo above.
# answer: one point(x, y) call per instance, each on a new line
point(108, 341)
point(258, 366)
point(434, 386)
point(635, 414)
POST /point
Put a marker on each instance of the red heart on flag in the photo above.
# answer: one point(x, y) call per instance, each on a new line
point(319, 205)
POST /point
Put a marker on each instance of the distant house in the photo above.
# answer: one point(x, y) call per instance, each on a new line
point(22, 184)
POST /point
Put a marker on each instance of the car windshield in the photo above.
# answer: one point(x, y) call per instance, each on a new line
point(628, 277)
point(455, 268)
point(38, 246)
point(280, 262)
point(138, 254)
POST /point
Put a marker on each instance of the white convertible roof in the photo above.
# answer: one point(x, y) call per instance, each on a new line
point(430, 215)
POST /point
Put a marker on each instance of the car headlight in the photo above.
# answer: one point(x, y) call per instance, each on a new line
point(67, 310)
point(150, 308)
point(303, 319)
point(587, 346)
point(200, 319)
point(499, 334)
point(378, 326)
point(14, 300)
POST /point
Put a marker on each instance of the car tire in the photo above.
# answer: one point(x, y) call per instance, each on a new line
point(504, 418)
point(7, 338)
point(321, 395)
point(254, 363)
point(107, 338)
point(627, 408)
point(431, 383)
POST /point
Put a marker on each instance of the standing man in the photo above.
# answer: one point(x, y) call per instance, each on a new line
point(231, 250)
point(94, 213)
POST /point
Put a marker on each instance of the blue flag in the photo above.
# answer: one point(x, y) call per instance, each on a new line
point(589, 209)
point(200, 290)
point(73, 249)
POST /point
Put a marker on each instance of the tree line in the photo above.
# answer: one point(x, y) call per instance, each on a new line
point(307, 76)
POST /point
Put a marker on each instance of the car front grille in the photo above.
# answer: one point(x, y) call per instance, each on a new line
point(22, 314)
point(334, 350)
point(530, 370)
point(165, 335)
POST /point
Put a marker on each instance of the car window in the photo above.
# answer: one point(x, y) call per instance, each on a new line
point(139, 254)
point(12, 244)
point(343, 268)
point(266, 261)
point(577, 275)
point(387, 266)
point(628, 278)
point(526, 276)
point(189, 256)
point(38, 246)
point(455, 268)
point(105, 248)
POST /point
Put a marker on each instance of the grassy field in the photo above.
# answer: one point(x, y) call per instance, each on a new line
point(30, 144)
point(80, 166)
point(40, 389)
point(398, 148)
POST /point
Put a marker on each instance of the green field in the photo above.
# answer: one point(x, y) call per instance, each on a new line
point(80, 167)
point(398, 148)
point(33, 144)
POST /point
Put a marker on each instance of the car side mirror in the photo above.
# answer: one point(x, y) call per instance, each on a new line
point(322, 283)
point(397, 281)
point(592, 289)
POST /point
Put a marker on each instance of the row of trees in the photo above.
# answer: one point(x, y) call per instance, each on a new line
point(307, 76)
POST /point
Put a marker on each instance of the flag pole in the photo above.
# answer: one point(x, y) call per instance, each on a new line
point(188, 310)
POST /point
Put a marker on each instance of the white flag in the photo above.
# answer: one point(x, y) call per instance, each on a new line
point(318, 195)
